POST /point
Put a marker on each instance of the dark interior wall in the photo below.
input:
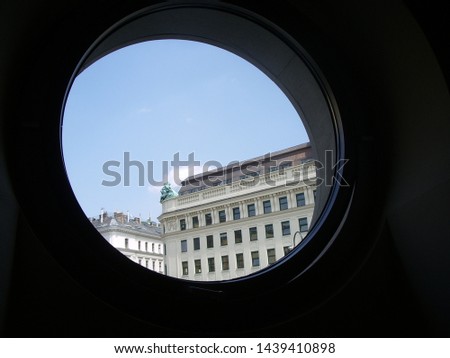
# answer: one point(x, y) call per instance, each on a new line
point(418, 210)
point(402, 288)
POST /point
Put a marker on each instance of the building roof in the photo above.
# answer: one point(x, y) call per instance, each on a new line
point(279, 154)
point(290, 156)
point(120, 222)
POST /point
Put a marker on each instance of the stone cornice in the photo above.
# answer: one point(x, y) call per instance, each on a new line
point(114, 228)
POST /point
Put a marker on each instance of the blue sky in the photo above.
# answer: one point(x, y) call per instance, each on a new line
point(158, 98)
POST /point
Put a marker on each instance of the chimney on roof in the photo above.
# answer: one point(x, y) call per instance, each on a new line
point(120, 217)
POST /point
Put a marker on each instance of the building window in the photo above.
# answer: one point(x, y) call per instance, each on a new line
point(146, 246)
point(251, 210)
point(159, 248)
point(154, 263)
point(286, 249)
point(240, 261)
point(198, 266)
point(183, 224)
point(139, 261)
point(255, 258)
point(303, 224)
point(139, 245)
point(153, 247)
point(285, 228)
point(195, 222)
point(184, 265)
point(225, 263)
point(223, 239)
point(183, 245)
point(126, 243)
point(237, 236)
point(165, 249)
point(160, 265)
point(209, 241)
point(314, 195)
point(269, 231)
point(146, 263)
point(283, 203)
point(196, 243)
point(300, 199)
point(267, 207)
point(236, 214)
point(222, 216)
point(271, 257)
point(253, 234)
point(211, 264)
point(208, 219)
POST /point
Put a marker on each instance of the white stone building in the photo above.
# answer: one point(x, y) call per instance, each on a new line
point(139, 241)
point(236, 220)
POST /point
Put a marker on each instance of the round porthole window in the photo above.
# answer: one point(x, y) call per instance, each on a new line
point(209, 191)
point(203, 140)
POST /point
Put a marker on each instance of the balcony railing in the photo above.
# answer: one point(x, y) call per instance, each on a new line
point(296, 176)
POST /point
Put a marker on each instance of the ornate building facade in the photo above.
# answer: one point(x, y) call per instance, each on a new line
point(139, 241)
point(236, 220)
